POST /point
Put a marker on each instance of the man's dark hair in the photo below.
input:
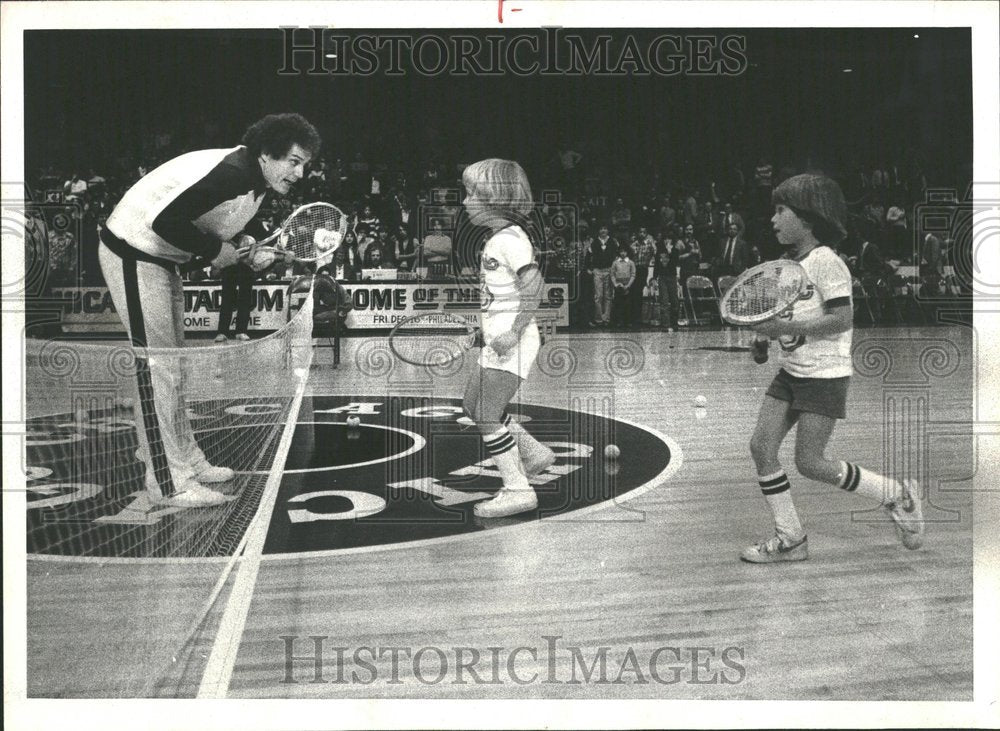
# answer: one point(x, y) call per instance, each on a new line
point(275, 134)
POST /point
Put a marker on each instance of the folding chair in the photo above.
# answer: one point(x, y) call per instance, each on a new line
point(701, 291)
point(725, 282)
point(330, 313)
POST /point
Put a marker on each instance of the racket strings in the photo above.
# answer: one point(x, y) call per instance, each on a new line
point(313, 230)
point(764, 293)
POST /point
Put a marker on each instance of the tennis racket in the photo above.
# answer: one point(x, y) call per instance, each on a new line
point(309, 232)
point(434, 338)
point(762, 292)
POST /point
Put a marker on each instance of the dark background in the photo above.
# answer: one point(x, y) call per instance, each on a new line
point(92, 96)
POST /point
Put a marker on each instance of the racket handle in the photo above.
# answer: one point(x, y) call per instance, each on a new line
point(759, 350)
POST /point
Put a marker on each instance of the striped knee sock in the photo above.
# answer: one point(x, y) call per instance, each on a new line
point(870, 484)
point(777, 492)
point(503, 450)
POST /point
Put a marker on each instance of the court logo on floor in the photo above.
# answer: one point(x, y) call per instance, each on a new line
point(361, 472)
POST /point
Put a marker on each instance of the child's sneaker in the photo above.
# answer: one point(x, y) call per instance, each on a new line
point(776, 549)
point(507, 502)
point(908, 515)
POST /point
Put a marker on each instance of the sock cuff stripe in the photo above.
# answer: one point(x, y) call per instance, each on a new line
point(853, 477)
point(500, 447)
point(776, 489)
point(772, 477)
point(772, 480)
point(494, 436)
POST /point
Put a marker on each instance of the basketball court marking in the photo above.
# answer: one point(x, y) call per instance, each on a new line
point(676, 461)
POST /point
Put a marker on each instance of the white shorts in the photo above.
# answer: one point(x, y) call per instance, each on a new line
point(519, 359)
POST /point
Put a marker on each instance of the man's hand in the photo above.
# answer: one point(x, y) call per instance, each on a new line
point(226, 257)
point(502, 343)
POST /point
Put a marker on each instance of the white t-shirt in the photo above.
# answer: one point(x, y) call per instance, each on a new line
point(819, 356)
point(506, 254)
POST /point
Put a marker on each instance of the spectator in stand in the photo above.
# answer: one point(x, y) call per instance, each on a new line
point(707, 230)
point(763, 181)
point(665, 271)
point(622, 278)
point(340, 267)
point(96, 183)
point(733, 259)
point(316, 180)
point(931, 264)
point(730, 217)
point(569, 167)
point(368, 219)
point(668, 216)
point(689, 257)
point(63, 255)
point(874, 271)
point(75, 188)
point(603, 251)
point(86, 222)
point(649, 214)
point(336, 178)
point(621, 218)
point(897, 236)
point(874, 215)
point(763, 175)
point(399, 214)
point(690, 214)
point(405, 250)
point(375, 259)
point(754, 257)
point(643, 253)
point(365, 240)
point(237, 288)
point(375, 248)
point(713, 196)
point(437, 249)
point(359, 176)
point(880, 184)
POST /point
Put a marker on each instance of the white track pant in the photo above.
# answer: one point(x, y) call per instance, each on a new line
point(149, 298)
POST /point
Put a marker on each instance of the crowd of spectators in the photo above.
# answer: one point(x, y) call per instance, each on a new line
point(627, 242)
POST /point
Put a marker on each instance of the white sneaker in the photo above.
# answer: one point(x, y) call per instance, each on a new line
point(242, 337)
point(543, 460)
point(507, 502)
point(211, 473)
point(220, 338)
point(908, 515)
point(194, 495)
point(776, 549)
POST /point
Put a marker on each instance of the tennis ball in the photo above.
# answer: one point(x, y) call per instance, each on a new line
point(700, 401)
point(612, 451)
point(353, 421)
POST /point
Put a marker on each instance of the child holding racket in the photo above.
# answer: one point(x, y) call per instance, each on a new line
point(810, 390)
point(498, 196)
